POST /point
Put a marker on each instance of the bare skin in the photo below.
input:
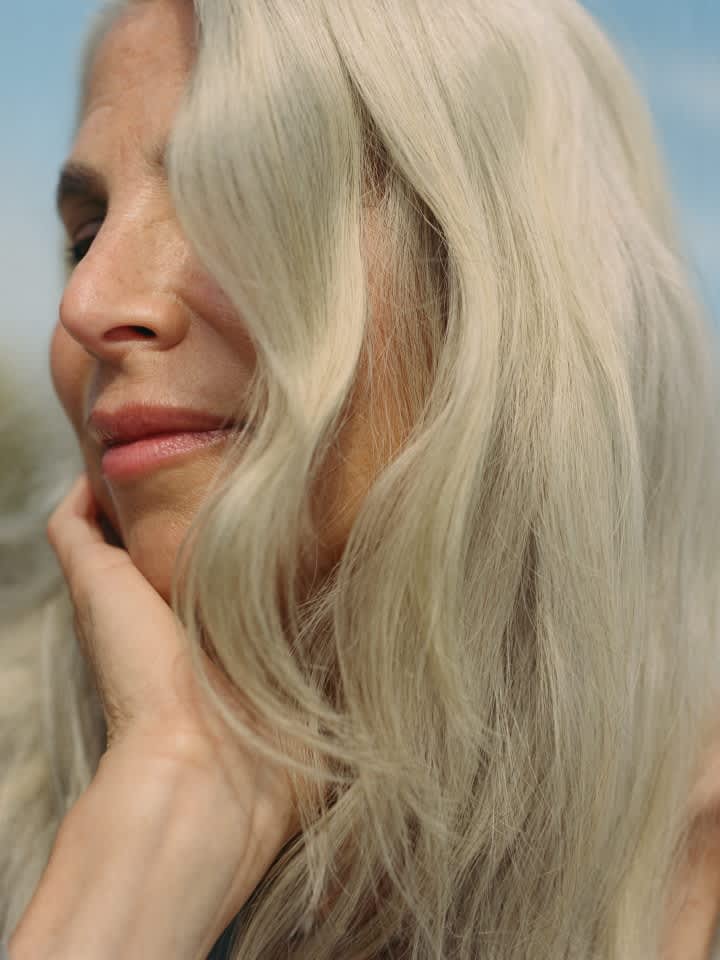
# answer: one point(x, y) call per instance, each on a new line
point(694, 912)
point(138, 270)
point(142, 322)
point(692, 933)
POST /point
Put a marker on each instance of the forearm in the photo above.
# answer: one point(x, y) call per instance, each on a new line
point(130, 876)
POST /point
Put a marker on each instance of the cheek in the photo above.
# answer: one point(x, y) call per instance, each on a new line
point(70, 371)
point(207, 299)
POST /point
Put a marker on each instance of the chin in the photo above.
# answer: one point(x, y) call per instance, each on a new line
point(151, 536)
point(153, 515)
point(153, 548)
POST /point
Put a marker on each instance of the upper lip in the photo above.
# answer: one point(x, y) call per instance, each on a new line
point(133, 422)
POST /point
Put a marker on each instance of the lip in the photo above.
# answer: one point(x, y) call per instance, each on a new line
point(138, 438)
point(129, 460)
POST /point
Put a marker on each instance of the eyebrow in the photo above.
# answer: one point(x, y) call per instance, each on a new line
point(82, 182)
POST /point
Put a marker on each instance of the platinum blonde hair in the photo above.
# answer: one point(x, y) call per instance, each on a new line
point(506, 685)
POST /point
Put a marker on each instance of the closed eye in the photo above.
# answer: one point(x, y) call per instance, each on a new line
point(78, 250)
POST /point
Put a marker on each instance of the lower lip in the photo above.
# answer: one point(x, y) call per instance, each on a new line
point(129, 460)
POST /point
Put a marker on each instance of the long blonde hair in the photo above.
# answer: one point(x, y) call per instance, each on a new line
point(509, 676)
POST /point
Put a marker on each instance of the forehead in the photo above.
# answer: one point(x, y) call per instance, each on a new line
point(144, 57)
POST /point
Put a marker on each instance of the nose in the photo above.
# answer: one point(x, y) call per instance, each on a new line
point(111, 308)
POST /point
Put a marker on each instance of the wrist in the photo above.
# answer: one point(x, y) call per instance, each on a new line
point(140, 867)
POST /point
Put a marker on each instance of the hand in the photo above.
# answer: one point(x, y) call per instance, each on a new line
point(159, 728)
point(128, 634)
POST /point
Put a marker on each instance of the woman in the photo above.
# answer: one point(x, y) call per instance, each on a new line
point(403, 640)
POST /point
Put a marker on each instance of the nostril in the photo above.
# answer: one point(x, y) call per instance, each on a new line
point(130, 333)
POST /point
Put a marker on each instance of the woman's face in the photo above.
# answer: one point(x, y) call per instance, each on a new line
point(140, 320)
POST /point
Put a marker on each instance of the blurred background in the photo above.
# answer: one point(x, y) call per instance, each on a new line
point(672, 47)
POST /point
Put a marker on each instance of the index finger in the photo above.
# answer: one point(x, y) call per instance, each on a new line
point(74, 533)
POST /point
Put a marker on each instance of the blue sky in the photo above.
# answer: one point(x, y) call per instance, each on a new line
point(672, 46)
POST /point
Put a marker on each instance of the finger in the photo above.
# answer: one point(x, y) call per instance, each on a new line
point(74, 522)
point(122, 626)
point(75, 534)
point(86, 559)
point(128, 634)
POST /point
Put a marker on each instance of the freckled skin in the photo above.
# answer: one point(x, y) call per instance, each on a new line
point(138, 270)
point(141, 271)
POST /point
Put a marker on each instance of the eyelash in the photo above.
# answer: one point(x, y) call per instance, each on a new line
point(73, 256)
